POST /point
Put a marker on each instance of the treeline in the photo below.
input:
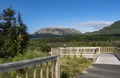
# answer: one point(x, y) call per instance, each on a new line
point(47, 35)
point(45, 44)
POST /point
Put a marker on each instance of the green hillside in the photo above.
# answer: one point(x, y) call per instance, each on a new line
point(112, 29)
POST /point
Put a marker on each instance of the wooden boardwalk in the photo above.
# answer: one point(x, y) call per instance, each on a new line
point(106, 66)
point(107, 59)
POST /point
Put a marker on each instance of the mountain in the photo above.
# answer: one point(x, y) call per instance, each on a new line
point(52, 32)
point(112, 29)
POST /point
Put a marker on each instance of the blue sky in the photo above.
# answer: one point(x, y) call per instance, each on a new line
point(84, 15)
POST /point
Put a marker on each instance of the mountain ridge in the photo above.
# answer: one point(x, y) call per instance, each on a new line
point(112, 29)
point(58, 31)
point(54, 32)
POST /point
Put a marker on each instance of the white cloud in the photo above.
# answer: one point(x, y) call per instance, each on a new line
point(58, 26)
point(90, 26)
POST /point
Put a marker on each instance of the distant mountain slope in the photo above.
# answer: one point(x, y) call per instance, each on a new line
point(112, 29)
point(58, 31)
point(54, 32)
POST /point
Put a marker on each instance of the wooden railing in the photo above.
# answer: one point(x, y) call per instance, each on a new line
point(77, 50)
point(55, 51)
point(87, 52)
point(50, 64)
point(81, 50)
point(107, 50)
point(73, 50)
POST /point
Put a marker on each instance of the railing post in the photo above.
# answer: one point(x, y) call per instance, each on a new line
point(5, 75)
point(117, 52)
point(77, 52)
point(51, 51)
point(99, 50)
point(53, 69)
point(34, 73)
point(47, 70)
point(26, 73)
point(59, 51)
point(94, 58)
point(57, 68)
point(41, 71)
point(96, 52)
point(17, 74)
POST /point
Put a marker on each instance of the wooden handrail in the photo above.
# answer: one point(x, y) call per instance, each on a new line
point(80, 50)
point(73, 50)
point(14, 66)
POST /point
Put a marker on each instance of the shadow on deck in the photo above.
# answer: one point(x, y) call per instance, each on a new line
point(101, 71)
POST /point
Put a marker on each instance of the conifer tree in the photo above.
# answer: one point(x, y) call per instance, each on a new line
point(13, 37)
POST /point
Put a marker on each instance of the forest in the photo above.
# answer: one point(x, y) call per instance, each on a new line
point(45, 44)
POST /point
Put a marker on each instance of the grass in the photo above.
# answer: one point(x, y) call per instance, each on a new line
point(29, 54)
point(73, 66)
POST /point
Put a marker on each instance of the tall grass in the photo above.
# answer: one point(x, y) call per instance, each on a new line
point(29, 54)
point(73, 66)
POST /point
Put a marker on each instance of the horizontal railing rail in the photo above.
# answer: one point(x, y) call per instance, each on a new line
point(81, 50)
point(73, 50)
point(77, 51)
point(15, 66)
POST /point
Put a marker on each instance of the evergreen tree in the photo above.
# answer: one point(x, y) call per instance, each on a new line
point(13, 36)
point(23, 36)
